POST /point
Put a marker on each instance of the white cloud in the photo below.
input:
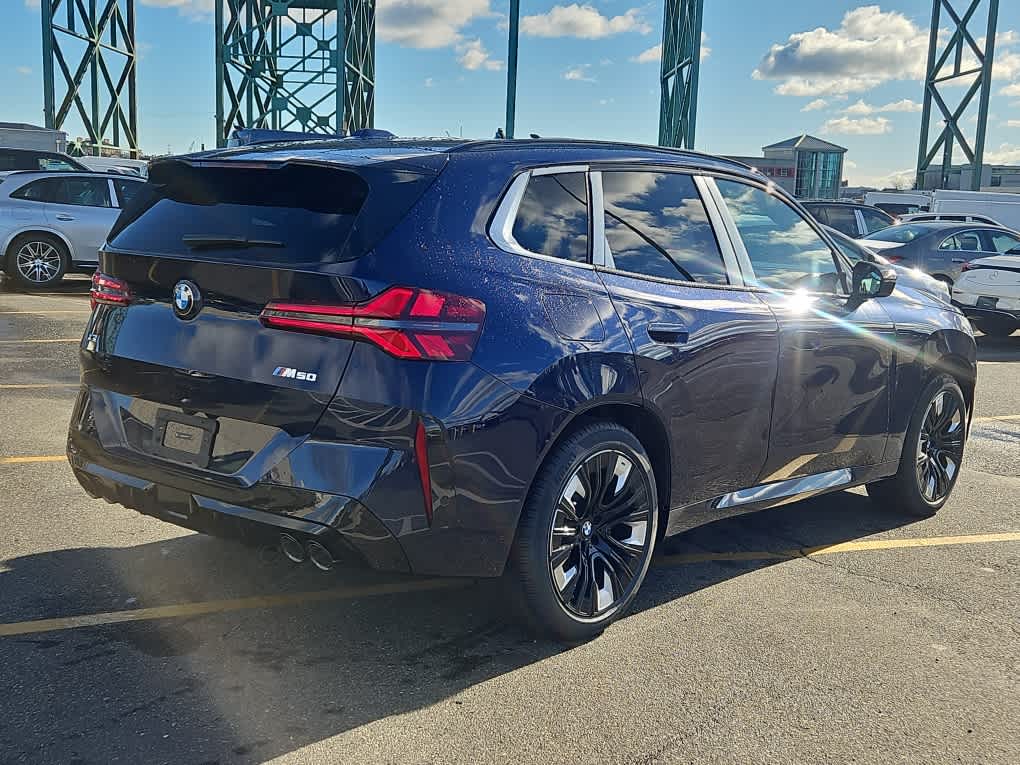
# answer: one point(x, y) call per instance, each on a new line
point(196, 9)
point(649, 55)
point(1006, 154)
point(870, 47)
point(1013, 123)
point(1011, 90)
point(903, 105)
point(583, 21)
point(849, 164)
point(32, 3)
point(428, 82)
point(427, 23)
point(862, 126)
point(654, 54)
point(473, 55)
point(814, 106)
point(578, 73)
point(25, 70)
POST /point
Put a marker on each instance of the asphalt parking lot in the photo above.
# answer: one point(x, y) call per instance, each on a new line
point(822, 631)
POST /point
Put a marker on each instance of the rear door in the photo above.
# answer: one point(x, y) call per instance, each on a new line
point(953, 251)
point(706, 349)
point(201, 251)
point(83, 210)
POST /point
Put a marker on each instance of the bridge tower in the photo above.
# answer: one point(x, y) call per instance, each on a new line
point(681, 58)
point(959, 69)
point(304, 65)
point(91, 43)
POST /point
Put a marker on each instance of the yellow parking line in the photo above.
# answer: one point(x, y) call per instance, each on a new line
point(34, 458)
point(224, 606)
point(1000, 417)
point(48, 340)
point(842, 547)
point(392, 588)
point(44, 312)
point(30, 386)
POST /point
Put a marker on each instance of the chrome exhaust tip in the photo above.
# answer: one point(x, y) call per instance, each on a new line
point(320, 557)
point(292, 549)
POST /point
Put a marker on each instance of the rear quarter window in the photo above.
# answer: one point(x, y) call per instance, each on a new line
point(552, 218)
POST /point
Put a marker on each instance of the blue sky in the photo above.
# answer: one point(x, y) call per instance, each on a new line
point(846, 71)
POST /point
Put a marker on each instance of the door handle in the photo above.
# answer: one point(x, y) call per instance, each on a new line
point(64, 216)
point(959, 260)
point(668, 334)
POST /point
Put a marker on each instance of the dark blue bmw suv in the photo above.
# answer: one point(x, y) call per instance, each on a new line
point(523, 358)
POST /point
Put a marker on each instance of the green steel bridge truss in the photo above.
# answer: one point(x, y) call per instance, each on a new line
point(295, 65)
point(91, 43)
point(962, 59)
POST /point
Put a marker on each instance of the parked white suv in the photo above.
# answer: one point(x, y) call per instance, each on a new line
point(53, 222)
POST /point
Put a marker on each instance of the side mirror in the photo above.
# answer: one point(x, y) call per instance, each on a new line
point(872, 280)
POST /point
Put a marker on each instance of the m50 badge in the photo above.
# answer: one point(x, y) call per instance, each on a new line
point(295, 374)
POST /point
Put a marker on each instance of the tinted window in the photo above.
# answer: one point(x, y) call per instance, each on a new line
point(27, 160)
point(849, 247)
point(901, 234)
point(294, 214)
point(553, 217)
point(818, 212)
point(656, 225)
point(842, 218)
point(949, 244)
point(785, 252)
point(46, 190)
point(126, 190)
point(85, 192)
point(1004, 242)
point(874, 220)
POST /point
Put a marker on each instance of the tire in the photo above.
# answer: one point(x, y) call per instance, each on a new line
point(996, 328)
point(37, 261)
point(562, 531)
point(930, 464)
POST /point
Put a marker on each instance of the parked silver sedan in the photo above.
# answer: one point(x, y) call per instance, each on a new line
point(55, 222)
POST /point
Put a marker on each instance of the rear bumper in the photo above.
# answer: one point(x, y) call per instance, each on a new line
point(341, 524)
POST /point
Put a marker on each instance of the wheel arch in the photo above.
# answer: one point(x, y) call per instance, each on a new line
point(646, 426)
point(6, 250)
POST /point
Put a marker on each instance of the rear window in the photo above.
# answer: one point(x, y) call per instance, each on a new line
point(900, 234)
point(289, 213)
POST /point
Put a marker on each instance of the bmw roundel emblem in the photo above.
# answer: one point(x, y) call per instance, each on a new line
point(187, 299)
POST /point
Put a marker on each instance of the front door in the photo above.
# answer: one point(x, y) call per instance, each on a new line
point(706, 351)
point(831, 407)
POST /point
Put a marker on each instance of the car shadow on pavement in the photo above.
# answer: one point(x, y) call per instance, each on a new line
point(248, 685)
point(72, 284)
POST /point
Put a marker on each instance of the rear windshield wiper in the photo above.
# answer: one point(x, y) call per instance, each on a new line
point(200, 242)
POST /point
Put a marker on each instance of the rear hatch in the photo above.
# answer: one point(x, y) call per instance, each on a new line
point(179, 365)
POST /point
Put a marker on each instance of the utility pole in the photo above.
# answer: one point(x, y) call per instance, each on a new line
point(511, 68)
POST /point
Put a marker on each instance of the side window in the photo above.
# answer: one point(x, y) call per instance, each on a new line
point(819, 213)
point(1002, 242)
point(949, 244)
point(86, 192)
point(657, 225)
point(785, 252)
point(969, 241)
point(45, 190)
point(874, 221)
point(553, 217)
point(842, 218)
point(126, 190)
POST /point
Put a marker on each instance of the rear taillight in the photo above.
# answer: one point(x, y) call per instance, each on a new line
point(405, 322)
point(107, 290)
point(893, 258)
point(967, 267)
